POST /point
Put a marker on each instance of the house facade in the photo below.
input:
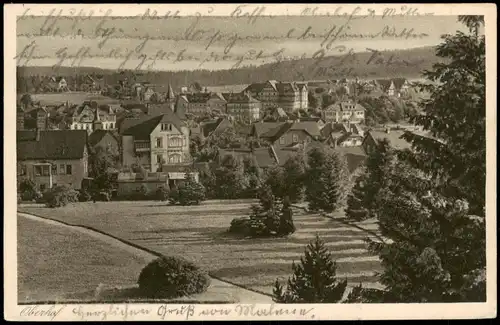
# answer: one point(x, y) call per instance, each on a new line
point(344, 111)
point(243, 106)
point(156, 141)
point(291, 96)
point(90, 116)
point(53, 157)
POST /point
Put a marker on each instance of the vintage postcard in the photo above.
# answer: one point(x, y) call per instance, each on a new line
point(249, 161)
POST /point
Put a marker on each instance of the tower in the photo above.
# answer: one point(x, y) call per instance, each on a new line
point(41, 118)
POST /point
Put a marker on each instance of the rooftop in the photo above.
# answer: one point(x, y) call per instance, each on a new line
point(52, 144)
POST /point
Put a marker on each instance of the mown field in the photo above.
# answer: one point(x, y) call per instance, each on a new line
point(54, 262)
point(200, 234)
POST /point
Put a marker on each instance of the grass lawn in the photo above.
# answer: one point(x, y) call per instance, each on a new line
point(54, 262)
point(199, 234)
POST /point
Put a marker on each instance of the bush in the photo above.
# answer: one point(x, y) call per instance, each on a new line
point(171, 277)
point(189, 193)
point(84, 196)
point(59, 196)
point(103, 196)
point(162, 193)
point(270, 218)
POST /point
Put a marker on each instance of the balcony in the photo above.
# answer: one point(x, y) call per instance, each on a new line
point(142, 146)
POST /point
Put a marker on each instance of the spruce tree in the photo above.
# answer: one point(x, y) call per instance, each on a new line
point(431, 204)
point(293, 174)
point(378, 164)
point(327, 180)
point(314, 278)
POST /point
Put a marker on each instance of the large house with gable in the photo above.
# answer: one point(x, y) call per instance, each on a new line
point(155, 141)
point(291, 96)
point(344, 111)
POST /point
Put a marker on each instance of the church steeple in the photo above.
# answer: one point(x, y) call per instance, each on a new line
point(170, 93)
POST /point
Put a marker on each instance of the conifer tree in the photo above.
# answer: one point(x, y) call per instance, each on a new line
point(327, 180)
point(430, 206)
point(293, 177)
point(314, 278)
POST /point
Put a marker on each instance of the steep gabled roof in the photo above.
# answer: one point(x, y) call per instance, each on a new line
point(260, 128)
point(96, 136)
point(141, 130)
point(399, 82)
point(311, 128)
point(53, 144)
point(383, 83)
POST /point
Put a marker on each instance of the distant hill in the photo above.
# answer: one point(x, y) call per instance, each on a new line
point(405, 63)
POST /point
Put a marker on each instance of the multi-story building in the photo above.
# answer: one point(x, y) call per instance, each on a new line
point(155, 141)
point(202, 103)
point(344, 111)
point(52, 157)
point(243, 106)
point(90, 116)
point(291, 96)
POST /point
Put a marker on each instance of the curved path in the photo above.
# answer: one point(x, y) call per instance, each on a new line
point(241, 294)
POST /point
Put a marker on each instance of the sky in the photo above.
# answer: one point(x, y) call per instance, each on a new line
point(213, 43)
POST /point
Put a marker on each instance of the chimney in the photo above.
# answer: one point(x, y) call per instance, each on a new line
point(37, 134)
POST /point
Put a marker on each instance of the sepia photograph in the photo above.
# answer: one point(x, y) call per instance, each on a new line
point(258, 159)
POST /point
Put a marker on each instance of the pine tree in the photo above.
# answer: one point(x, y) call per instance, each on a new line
point(327, 180)
point(313, 280)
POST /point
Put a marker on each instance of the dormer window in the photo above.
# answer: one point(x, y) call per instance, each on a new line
point(166, 127)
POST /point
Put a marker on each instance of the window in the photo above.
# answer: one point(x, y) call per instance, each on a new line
point(54, 169)
point(282, 140)
point(159, 142)
point(62, 169)
point(23, 170)
point(159, 159)
point(175, 142)
point(85, 167)
point(42, 187)
point(42, 170)
point(166, 127)
point(175, 159)
point(295, 138)
point(69, 169)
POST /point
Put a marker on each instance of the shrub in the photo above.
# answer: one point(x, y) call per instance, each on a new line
point(161, 193)
point(142, 192)
point(84, 196)
point(103, 196)
point(189, 193)
point(270, 218)
point(59, 196)
point(171, 277)
point(240, 226)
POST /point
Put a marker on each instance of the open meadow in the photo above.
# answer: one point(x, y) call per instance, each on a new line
point(199, 234)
